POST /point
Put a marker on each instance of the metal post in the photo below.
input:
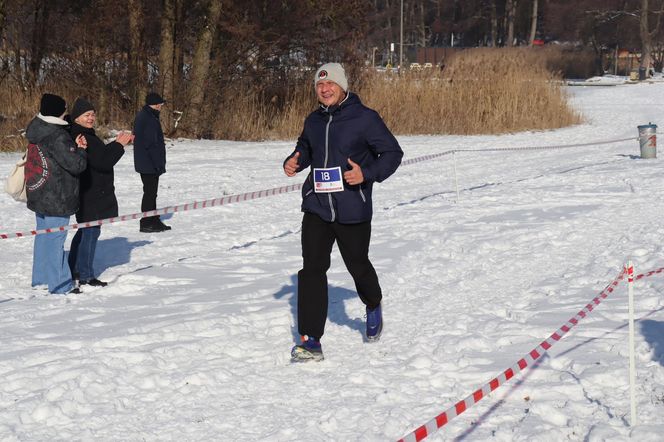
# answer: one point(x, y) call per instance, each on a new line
point(632, 359)
point(401, 41)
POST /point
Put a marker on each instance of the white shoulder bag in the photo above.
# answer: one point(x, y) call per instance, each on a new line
point(15, 183)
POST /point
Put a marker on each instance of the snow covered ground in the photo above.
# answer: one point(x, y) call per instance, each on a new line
point(613, 80)
point(190, 341)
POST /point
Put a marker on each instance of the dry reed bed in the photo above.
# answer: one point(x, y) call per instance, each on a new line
point(480, 91)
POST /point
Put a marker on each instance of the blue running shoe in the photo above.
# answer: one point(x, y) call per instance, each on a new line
point(309, 350)
point(374, 323)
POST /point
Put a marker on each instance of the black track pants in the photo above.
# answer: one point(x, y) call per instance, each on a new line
point(149, 201)
point(318, 237)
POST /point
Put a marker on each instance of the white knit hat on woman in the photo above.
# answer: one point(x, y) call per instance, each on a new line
point(332, 72)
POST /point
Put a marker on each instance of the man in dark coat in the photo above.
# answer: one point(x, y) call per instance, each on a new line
point(53, 164)
point(347, 147)
point(97, 190)
point(150, 158)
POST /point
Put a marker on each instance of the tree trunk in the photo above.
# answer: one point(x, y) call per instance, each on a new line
point(494, 24)
point(3, 46)
point(178, 53)
point(422, 26)
point(3, 14)
point(533, 23)
point(167, 56)
point(136, 77)
point(200, 67)
point(510, 8)
point(38, 49)
point(646, 36)
point(390, 31)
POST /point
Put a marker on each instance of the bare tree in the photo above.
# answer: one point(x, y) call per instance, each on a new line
point(201, 66)
point(494, 24)
point(510, 10)
point(647, 35)
point(167, 55)
point(38, 46)
point(3, 14)
point(422, 27)
point(533, 23)
point(136, 74)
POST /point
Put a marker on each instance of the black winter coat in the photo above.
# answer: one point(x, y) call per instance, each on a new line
point(52, 168)
point(331, 136)
point(149, 146)
point(97, 189)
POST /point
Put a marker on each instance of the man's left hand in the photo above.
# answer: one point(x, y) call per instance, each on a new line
point(354, 176)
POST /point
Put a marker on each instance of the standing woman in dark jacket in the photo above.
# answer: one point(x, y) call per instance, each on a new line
point(97, 190)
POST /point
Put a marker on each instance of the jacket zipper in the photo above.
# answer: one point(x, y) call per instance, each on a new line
point(327, 149)
point(311, 180)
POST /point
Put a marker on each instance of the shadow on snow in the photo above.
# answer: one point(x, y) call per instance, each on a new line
point(336, 312)
point(114, 252)
point(653, 332)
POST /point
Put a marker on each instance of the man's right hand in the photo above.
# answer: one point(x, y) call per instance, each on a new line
point(291, 165)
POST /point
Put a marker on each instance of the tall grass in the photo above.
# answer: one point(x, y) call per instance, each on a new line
point(480, 91)
point(250, 112)
point(18, 108)
point(20, 104)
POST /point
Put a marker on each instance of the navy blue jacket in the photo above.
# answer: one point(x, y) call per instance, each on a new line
point(331, 136)
point(149, 146)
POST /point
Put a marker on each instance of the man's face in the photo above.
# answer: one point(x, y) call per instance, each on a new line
point(329, 93)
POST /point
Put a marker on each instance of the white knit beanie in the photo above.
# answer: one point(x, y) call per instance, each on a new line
point(332, 72)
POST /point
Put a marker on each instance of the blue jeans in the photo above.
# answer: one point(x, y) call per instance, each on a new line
point(82, 252)
point(49, 264)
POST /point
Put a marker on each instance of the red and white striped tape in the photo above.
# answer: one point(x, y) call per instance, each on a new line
point(560, 146)
point(442, 419)
point(427, 157)
point(513, 149)
point(265, 193)
point(171, 209)
point(650, 273)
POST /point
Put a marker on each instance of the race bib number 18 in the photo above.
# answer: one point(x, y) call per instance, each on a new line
point(328, 180)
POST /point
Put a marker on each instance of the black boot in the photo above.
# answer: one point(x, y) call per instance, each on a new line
point(151, 224)
point(94, 282)
point(162, 225)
